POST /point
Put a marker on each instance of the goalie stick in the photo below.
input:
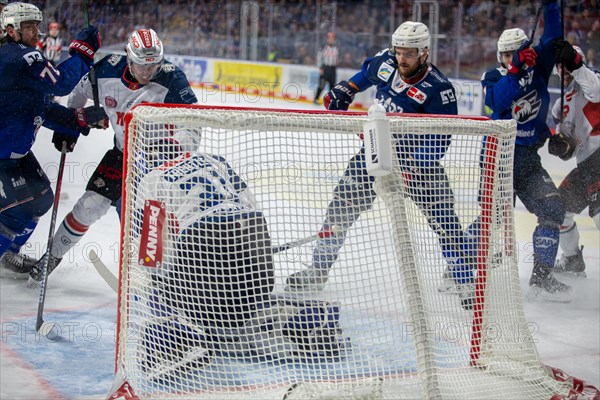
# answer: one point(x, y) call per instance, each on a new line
point(295, 243)
point(104, 272)
point(113, 282)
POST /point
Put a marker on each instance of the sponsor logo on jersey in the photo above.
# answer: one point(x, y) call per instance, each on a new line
point(17, 183)
point(151, 247)
point(33, 56)
point(110, 102)
point(2, 192)
point(417, 95)
point(168, 68)
point(526, 108)
point(385, 71)
point(114, 59)
point(99, 183)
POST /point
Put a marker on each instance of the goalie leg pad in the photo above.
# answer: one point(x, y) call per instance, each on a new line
point(300, 330)
point(166, 347)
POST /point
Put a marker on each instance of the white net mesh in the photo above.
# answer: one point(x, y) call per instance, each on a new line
point(261, 267)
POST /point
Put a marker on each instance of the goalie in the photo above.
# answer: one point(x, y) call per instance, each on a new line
point(213, 290)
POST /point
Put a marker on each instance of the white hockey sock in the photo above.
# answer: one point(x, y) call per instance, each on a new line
point(569, 236)
point(68, 234)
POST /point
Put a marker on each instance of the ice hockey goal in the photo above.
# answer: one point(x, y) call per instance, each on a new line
point(208, 246)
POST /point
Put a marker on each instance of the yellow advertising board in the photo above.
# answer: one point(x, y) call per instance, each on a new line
point(246, 76)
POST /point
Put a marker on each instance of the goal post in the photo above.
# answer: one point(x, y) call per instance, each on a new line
point(222, 205)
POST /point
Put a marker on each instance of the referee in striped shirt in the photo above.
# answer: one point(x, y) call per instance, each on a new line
point(327, 61)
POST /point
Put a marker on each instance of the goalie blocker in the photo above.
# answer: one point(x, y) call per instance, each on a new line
point(217, 298)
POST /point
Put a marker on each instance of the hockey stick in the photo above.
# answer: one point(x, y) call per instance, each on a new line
point(40, 326)
point(113, 282)
point(93, 80)
point(562, 69)
point(537, 19)
point(295, 243)
point(104, 272)
point(16, 203)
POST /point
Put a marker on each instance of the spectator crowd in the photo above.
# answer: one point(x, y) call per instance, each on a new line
point(292, 31)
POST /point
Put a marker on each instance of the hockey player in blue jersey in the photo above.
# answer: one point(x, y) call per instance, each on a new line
point(518, 90)
point(143, 75)
point(406, 83)
point(27, 83)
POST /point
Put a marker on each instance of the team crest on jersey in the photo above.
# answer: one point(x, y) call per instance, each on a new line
point(385, 71)
point(110, 102)
point(416, 95)
point(526, 108)
point(168, 68)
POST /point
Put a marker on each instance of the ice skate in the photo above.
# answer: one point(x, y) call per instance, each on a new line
point(448, 284)
point(571, 265)
point(309, 280)
point(36, 273)
point(466, 293)
point(544, 287)
point(15, 265)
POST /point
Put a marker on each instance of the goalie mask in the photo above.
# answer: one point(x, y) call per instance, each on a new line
point(510, 40)
point(145, 55)
point(15, 13)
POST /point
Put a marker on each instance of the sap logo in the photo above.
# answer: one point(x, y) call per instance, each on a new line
point(526, 108)
point(545, 242)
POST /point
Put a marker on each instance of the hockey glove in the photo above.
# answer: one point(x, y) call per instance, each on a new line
point(565, 54)
point(562, 146)
point(523, 58)
point(341, 96)
point(58, 139)
point(86, 43)
point(91, 117)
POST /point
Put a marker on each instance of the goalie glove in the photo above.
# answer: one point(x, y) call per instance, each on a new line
point(562, 146)
point(341, 96)
point(523, 58)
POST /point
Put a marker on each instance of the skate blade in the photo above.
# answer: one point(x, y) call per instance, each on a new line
point(8, 274)
point(537, 294)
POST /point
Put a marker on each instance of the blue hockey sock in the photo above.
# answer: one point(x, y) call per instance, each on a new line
point(545, 244)
point(23, 237)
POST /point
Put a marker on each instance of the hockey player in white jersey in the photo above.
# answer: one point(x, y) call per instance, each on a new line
point(216, 276)
point(143, 75)
point(577, 135)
